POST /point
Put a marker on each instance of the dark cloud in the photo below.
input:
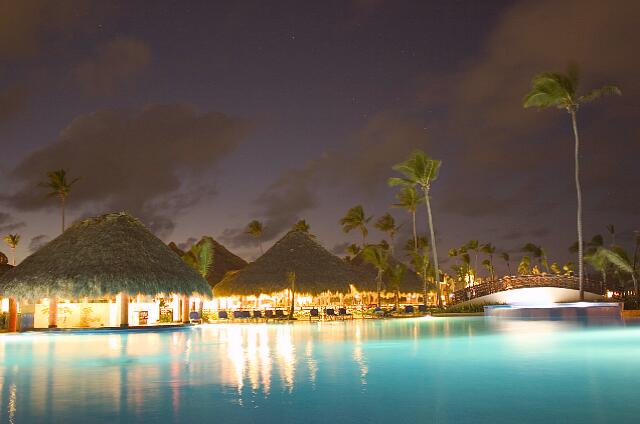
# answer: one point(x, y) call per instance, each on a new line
point(27, 25)
point(497, 137)
point(37, 242)
point(340, 248)
point(112, 65)
point(148, 162)
point(279, 206)
point(186, 245)
point(8, 223)
point(12, 101)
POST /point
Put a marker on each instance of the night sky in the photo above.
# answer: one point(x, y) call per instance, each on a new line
point(198, 116)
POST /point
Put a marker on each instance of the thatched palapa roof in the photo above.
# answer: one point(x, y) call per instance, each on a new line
point(316, 270)
point(223, 260)
point(4, 268)
point(100, 257)
point(411, 283)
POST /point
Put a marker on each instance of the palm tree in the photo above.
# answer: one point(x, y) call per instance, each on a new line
point(353, 250)
point(538, 253)
point(378, 257)
point(551, 89)
point(255, 229)
point(12, 240)
point(60, 187)
point(200, 257)
point(356, 219)
point(524, 267)
point(505, 257)
point(489, 266)
point(474, 246)
point(423, 267)
point(409, 200)
point(421, 170)
point(396, 275)
point(619, 259)
point(301, 225)
point(489, 249)
point(387, 224)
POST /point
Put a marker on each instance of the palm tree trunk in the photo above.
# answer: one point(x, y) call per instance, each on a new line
point(392, 237)
point(292, 277)
point(579, 203)
point(436, 270)
point(13, 252)
point(415, 233)
point(635, 284)
point(508, 268)
point(397, 300)
point(379, 286)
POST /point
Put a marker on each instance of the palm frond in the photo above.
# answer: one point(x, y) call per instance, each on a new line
point(599, 92)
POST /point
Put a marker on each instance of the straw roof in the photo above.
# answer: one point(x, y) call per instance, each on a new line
point(100, 257)
point(411, 283)
point(4, 268)
point(223, 260)
point(316, 269)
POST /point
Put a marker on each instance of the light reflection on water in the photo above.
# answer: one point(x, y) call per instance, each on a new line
point(442, 370)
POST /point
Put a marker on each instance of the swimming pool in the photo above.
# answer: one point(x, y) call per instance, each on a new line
point(440, 370)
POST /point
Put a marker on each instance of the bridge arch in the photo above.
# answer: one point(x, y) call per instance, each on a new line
point(543, 288)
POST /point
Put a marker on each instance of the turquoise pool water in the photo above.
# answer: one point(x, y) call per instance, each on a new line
point(427, 370)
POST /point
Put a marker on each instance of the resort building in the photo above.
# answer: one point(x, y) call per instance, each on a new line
point(298, 266)
point(107, 271)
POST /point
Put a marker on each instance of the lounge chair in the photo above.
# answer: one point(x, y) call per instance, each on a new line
point(268, 314)
point(245, 314)
point(342, 313)
point(223, 315)
point(422, 309)
point(257, 314)
point(279, 314)
point(314, 313)
point(408, 309)
point(194, 316)
point(330, 313)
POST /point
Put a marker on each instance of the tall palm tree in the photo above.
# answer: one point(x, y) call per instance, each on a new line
point(379, 258)
point(505, 257)
point(60, 187)
point(396, 275)
point(474, 246)
point(409, 200)
point(387, 224)
point(356, 219)
point(256, 229)
point(489, 249)
point(423, 267)
point(552, 89)
point(12, 240)
point(421, 170)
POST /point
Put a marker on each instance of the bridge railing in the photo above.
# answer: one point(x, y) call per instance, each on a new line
point(524, 281)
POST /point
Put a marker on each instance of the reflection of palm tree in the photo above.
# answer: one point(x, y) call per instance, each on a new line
point(378, 257)
point(356, 219)
point(12, 241)
point(558, 90)
point(421, 170)
point(255, 229)
point(60, 187)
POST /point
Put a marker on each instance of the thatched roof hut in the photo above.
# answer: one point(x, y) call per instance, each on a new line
point(411, 283)
point(4, 268)
point(223, 260)
point(100, 257)
point(316, 270)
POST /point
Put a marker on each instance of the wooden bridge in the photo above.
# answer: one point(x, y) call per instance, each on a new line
point(524, 281)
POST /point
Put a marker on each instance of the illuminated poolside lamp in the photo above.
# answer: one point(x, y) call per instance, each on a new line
point(101, 258)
